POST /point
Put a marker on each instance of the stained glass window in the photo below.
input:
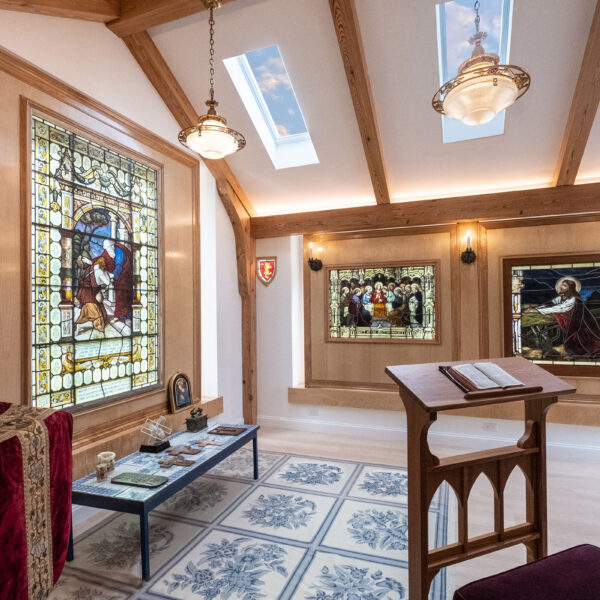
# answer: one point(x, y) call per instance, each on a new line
point(555, 312)
point(94, 268)
point(396, 302)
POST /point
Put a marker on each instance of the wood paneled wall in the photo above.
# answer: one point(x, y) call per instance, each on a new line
point(21, 86)
point(470, 305)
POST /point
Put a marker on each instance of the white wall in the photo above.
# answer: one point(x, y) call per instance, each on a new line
point(221, 304)
point(92, 59)
point(280, 366)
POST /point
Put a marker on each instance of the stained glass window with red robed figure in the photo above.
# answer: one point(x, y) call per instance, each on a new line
point(94, 269)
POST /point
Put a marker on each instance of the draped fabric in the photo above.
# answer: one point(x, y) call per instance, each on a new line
point(35, 499)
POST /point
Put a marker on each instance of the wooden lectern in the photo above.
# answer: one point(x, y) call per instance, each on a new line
point(425, 391)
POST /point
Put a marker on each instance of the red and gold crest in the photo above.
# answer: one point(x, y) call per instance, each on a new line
point(266, 269)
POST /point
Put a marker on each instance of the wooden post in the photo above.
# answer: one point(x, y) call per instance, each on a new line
point(419, 459)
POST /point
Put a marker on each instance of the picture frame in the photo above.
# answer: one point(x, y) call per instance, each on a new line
point(180, 392)
point(425, 330)
point(551, 306)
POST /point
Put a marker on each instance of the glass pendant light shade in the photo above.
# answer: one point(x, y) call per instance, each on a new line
point(483, 87)
point(211, 138)
point(479, 99)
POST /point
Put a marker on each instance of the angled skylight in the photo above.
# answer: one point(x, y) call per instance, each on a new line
point(265, 87)
point(455, 25)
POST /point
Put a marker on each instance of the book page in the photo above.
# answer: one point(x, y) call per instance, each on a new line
point(497, 374)
point(476, 377)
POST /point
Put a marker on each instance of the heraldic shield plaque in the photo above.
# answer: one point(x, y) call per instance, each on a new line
point(266, 268)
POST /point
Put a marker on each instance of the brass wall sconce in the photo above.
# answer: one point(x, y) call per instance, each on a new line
point(468, 256)
point(314, 263)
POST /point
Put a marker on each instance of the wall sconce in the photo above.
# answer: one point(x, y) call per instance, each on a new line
point(314, 263)
point(468, 256)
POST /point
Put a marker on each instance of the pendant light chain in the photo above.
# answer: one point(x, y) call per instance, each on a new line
point(211, 61)
point(211, 137)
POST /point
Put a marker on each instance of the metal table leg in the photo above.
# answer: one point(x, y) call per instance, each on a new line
point(145, 545)
point(255, 452)
point(70, 548)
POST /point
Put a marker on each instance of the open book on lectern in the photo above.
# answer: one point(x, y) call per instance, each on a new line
point(481, 376)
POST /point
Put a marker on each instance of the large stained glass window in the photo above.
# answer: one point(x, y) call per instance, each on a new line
point(383, 303)
point(554, 310)
point(94, 268)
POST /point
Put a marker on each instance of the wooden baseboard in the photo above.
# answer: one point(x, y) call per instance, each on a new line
point(578, 409)
point(122, 436)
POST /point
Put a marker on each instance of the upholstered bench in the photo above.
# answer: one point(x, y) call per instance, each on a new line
point(573, 574)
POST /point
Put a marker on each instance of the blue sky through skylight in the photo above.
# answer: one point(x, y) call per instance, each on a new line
point(276, 88)
point(455, 21)
point(265, 88)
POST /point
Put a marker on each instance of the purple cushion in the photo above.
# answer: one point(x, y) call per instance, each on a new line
point(569, 575)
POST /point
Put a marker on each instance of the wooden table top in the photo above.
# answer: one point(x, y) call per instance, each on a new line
point(433, 391)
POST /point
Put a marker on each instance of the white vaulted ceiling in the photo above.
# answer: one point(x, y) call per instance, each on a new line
point(400, 47)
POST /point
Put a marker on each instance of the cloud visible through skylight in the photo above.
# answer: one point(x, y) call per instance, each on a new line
point(274, 83)
point(460, 26)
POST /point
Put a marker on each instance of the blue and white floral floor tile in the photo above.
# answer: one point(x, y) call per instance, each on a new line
point(226, 566)
point(283, 513)
point(308, 529)
point(333, 577)
point(381, 483)
point(240, 465)
point(204, 499)
point(374, 529)
point(316, 474)
point(113, 550)
point(70, 587)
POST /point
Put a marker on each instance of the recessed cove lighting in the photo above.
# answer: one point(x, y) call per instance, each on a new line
point(265, 87)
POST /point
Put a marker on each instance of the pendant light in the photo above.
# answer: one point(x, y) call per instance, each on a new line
point(211, 137)
point(483, 87)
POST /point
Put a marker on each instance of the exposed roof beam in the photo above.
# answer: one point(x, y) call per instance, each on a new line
point(140, 15)
point(350, 42)
point(153, 64)
point(503, 205)
point(583, 109)
point(88, 10)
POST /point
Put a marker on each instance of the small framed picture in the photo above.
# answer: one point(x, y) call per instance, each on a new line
point(180, 392)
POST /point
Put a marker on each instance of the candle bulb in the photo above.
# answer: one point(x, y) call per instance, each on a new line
point(468, 240)
point(310, 247)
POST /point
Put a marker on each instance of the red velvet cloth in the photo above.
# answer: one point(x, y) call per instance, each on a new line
point(572, 574)
point(13, 542)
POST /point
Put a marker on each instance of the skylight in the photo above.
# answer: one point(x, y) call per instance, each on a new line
point(265, 87)
point(455, 25)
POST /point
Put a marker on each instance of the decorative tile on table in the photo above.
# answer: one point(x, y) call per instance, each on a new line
point(226, 566)
point(113, 551)
point(331, 576)
point(204, 499)
point(282, 513)
point(70, 587)
point(373, 529)
point(241, 464)
point(316, 474)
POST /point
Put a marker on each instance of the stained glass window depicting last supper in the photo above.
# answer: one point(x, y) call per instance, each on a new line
point(395, 303)
point(94, 267)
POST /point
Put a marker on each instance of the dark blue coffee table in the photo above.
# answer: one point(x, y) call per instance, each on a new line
point(140, 501)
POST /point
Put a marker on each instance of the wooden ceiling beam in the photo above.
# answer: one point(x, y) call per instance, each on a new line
point(154, 65)
point(583, 109)
point(89, 10)
point(503, 205)
point(349, 39)
point(140, 15)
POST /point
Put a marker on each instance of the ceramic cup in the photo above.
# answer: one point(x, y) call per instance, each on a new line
point(101, 472)
point(108, 458)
